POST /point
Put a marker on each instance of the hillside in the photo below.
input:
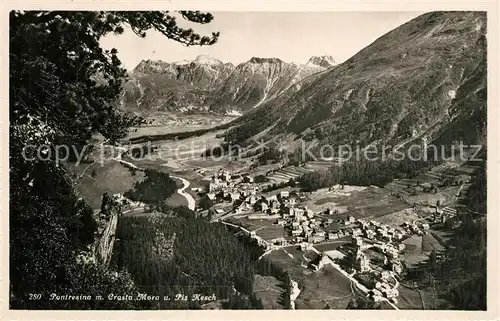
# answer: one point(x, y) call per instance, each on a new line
point(261, 79)
point(207, 84)
point(423, 80)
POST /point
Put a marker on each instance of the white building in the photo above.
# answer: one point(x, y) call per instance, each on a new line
point(362, 262)
point(252, 199)
point(284, 194)
point(299, 212)
point(272, 198)
point(333, 236)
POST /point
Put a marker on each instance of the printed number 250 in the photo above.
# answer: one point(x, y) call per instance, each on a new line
point(35, 296)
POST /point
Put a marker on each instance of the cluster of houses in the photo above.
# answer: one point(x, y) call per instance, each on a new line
point(373, 230)
point(374, 252)
point(379, 277)
point(305, 225)
point(301, 222)
point(442, 215)
point(231, 188)
point(414, 228)
point(384, 289)
point(390, 252)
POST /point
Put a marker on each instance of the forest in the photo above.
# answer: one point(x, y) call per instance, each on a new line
point(182, 253)
point(365, 173)
point(155, 188)
point(270, 155)
point(275, 186)
point(177, 136)
point(64, 88)
point(476, 199)
point(459, 275)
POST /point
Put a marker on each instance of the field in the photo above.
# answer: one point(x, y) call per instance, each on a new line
point(184, 149)
point(326, 288)
point(413, 251)
point(324, 198)
point(263, 228)
point(332, 245)
point(320, 165)
point(112, 178)
point(184, 156)
point(195, 179)
point(268, 291)
point(162, 129)
point(418, 248)
point(409, 299)
point(444, 196)
point(263, 169)
point(430, 243)
point(177, 200)
point(361, 202)
point(289, 259)
point(287, 173)
point(399, 217)
point(435, 177)
point(158, 123)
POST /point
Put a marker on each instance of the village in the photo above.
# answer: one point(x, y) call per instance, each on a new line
point(369, 252)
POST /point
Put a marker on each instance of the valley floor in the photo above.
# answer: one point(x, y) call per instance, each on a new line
point(394, 205)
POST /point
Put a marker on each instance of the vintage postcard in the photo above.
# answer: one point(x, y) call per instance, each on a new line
point(176, 160)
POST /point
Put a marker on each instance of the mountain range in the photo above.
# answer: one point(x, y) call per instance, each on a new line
point(425, 80)
point(206, 84)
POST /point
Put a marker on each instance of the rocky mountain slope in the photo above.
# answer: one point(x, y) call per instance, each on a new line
point(209, 85)
point(423, 80)
point(261, 79)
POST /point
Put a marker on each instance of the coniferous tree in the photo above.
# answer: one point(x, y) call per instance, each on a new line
point(64, 88)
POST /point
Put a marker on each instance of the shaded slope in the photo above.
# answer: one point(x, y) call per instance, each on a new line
point(423, 80)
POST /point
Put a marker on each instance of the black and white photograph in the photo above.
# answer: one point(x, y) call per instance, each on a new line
point(247, 160)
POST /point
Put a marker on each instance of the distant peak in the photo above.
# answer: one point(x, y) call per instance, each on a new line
point(322, 61)
point(181, 62)
point(208, 60)
point(145, 63)
point(257, 60)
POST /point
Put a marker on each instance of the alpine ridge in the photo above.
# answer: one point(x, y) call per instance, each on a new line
point(421, 81)
point(206, 84)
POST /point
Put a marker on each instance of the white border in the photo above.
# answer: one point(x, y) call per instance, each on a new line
point(213, 6)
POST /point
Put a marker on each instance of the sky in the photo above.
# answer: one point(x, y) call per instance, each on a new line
point(290, 36)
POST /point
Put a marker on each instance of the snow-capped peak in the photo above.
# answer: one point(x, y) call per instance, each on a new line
point(322, 61)
point(208, 60)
